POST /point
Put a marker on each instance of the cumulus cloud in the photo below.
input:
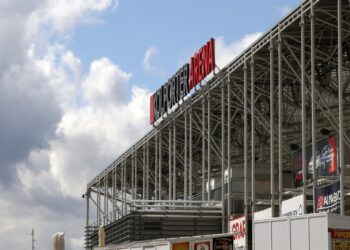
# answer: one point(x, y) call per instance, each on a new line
point(63, 15)
point(226, 52)
point(148, 62)
point(105, 83)
point(59, 125)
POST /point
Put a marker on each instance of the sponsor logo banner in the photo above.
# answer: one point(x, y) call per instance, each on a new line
point(181, 246)
point(340, 239)
point(181, 83)
point(202, 245)
point(328, 198)
point(223, 243)
point(238, 228)
point(326, 161)
point(293, 206)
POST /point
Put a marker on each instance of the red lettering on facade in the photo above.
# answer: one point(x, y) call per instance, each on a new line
point(151, 108)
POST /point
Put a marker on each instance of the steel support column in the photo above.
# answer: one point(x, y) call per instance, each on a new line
point(160, 161)
point(252, 110)
point(340, 93)
point(132, 175)
point(303, 105)
point(115, 192)
point(185, 156)
point(223, 156)
point(272, 128)
point(135, 173)
point(156, 168)
point(174, 162)
point(98, 214)
point(280, 153)
point(190, 186)
point(147, 170)
point(105, 199)
point(245, 118)
point(169, 162)
point(203, 147)
point(87, 197)
point(209, 147)
point(229, 172)
point(143, 171)
point(313, 113)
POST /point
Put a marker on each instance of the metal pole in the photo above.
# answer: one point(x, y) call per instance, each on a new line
point(280, 167)
point(121, 188)
point(87, 197)
point(160, 165)
point(170, 160)
point(203, 147)
point(245, 118)
point(185, 157)
point(252, 101)
point(174, 161)
point(115, 193)
point(105, 199)
point(132, 175)
point(147, 170)
point(125, 175)
point(144, 171)
point(135, 173)
point(156, 169)
point(209, 149)
point(98, 214)
point(340, 93)
point(190, 158)
point(303, 111)
point(223, 156)
point(313, 113)
point(121, 191)
point(229, 186)
point(272, 128)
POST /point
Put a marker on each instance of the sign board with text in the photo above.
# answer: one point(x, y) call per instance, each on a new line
point(183, 81)
point(293, 206)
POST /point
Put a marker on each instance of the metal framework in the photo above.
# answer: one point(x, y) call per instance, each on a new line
point(227, 145)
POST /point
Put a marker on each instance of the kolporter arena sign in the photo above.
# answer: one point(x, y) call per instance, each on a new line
point(185, 79)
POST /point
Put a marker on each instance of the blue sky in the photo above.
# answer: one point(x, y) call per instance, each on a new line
point(75, 81)
point(175, 28)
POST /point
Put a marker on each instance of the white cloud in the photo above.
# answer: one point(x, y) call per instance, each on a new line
point(63, 15)
point(59, 125)
point(226, 52)
point(105, 83)
point(148, 62)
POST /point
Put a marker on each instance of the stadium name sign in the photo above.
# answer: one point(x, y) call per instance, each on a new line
point(185, 79)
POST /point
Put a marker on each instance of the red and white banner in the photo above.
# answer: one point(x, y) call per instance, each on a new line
point(237, 226)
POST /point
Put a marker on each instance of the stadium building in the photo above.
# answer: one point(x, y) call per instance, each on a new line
point(228, 145)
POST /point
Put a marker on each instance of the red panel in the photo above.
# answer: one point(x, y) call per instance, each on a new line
point(332, 141)
point(151, 109)
point(211, 55)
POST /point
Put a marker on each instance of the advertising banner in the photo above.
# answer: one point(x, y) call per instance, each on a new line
point(263, 214)
point(223, 243)
point(202, 245)
point(183, 81)
point(339, 239)
point(238, 228)
point(293, 206)
point(327, 198)
point(181, 246)
point(326, 160)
